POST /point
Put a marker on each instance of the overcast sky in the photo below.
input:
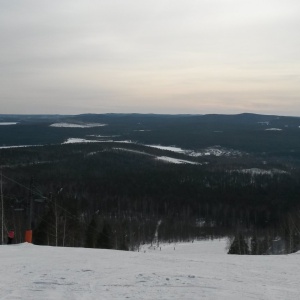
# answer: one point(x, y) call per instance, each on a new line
point(158, 56)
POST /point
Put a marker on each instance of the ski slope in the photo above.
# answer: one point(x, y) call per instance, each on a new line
point(199, 270)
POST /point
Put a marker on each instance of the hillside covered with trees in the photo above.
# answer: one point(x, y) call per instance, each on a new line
point(119, 181)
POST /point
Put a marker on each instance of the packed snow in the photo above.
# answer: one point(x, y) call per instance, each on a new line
point(8, 123)
point(72, 125)
point(199, 270)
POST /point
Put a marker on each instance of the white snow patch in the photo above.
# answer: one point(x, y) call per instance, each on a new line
point(257, 171)
point(168, 148)
point(143, 130)
point(132, 151)
point(273, 129)
point(73, 125)
point(8, 123)
point(125, 142)
point(199, 270)
point(176, 160)
point(264, 123)
point(216, 151)
point(19, 146)
point(102, 136)
point(78, 140)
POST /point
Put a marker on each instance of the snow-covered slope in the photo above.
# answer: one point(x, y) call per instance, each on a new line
point(199, 270)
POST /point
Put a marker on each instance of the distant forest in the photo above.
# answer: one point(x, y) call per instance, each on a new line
point(116, 194)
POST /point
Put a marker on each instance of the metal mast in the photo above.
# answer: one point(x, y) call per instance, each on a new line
point(2, 213)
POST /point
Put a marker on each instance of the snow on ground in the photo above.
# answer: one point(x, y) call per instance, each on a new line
point(161, 158)
point(264, 123)
point(176, 161)
point(78, 140)
point(213, 151)
point(103, 136)
point(71, 125)
point(256, 171)
point(8, 123)
point(20, 146)
point(216, 151)
point(143, 130)
point(132, 151)
point(169, 148)
point(199, 270)
point(273, 129)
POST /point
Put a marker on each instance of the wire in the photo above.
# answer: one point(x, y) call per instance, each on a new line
point(39, 194)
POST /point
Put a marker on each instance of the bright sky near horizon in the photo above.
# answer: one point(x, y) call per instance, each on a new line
point(159, 56)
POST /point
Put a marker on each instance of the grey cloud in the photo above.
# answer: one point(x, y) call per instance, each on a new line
point(121, 52)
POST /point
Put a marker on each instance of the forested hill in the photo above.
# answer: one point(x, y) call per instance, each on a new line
point(245, 132)
point(120, 180)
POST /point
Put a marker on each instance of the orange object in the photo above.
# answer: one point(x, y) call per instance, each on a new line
point(28, 236)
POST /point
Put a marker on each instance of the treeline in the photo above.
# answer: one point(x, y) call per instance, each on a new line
point(108, 198)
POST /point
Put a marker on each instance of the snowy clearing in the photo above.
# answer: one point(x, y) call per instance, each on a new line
point(71, 125)
point(216, 151)
point(256, 171)
point(132, 151)
point(273, 129)
point(8, 123)
point(20, 146)
point(77, 140)
point(82, 141)
point(168, 148)
point(176, 161)
point(143, 130)
point(103, 136)
point(199, 270)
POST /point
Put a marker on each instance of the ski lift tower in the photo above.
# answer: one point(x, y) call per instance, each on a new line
point(2, 210)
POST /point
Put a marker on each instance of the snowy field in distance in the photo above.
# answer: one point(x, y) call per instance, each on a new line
point(256, 171)
point(79, 141)
point(176, 160)
point(71, 125)
point(8, 123)
point(273, 129)
point(199, 270)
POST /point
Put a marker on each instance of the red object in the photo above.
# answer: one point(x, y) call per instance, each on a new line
point(11, 234)
point(28, 236)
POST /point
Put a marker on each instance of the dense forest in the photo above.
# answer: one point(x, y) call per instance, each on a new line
point(114, 190)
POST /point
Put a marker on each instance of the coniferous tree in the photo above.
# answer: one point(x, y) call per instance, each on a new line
point(239, 246)
point(91, 234)
point(105, 237)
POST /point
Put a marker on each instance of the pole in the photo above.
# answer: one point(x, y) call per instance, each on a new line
point(2, 213)
point(28, 232)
